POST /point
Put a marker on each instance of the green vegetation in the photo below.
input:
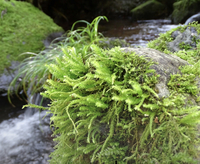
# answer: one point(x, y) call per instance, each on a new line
point(105, 105)
point(22, 29)
point(33, 69)
point(105, 109)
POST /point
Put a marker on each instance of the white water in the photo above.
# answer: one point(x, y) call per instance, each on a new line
point(193, 18)
point(26, 139)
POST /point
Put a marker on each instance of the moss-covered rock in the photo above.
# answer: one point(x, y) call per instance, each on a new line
point(184, 9)
point(23, 27)
point(148, 10)
point(107, 108)
point(183, 38)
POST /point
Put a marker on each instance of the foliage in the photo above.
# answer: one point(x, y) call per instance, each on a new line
point(105, 110)
point(33, 70)
point(105, 106)
point(22, 29)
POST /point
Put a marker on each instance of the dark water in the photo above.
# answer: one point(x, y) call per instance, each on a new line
point(25, 138)
point(137, 33)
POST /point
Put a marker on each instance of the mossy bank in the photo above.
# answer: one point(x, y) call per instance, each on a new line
point(23, 27)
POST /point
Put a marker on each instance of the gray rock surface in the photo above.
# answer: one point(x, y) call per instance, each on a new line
point(166, 65)
point(7, 76)
point(188, 37)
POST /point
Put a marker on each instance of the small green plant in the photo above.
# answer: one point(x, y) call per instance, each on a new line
point(184, 46)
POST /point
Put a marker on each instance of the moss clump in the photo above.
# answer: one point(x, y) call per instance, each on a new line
point(106, 110)
point(22, 29)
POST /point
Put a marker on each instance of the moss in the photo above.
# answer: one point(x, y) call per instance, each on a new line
point(149, 9)
point(183, 9)
point(23, 27)
point(106, 110)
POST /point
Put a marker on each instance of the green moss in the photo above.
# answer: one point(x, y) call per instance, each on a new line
point(22, 29)
point(183, 9)
point(148, 9)
point(184, 46)
point(106, 110)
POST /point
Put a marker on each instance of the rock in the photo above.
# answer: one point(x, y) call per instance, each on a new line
point(151, 9)
point(167, 65)
point(183, 9)
point(24, 29)
point(183, 40)
point(7, 76)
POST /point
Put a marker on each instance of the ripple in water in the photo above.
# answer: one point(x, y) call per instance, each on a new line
point(25, 140)
point(137, 33)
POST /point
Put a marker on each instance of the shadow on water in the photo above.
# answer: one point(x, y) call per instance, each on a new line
point(25, 138)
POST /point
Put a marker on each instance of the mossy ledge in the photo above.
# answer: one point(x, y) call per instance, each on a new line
point(23, 27)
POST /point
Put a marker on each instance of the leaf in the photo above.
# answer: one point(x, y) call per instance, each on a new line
point(151, 106)
point(136, 87)
point(150, 90)
point(151, 123)
point(101, 104)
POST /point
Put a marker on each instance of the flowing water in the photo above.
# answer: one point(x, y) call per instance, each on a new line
point(137, 33)
point(25, 138)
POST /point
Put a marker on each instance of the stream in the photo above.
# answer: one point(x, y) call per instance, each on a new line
point(25, 137)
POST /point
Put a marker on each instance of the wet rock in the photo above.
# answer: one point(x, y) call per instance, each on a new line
point(187, 38)
point(184, 9)
point(166, 65)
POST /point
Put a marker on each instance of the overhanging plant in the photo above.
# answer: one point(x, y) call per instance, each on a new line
point(32, 71)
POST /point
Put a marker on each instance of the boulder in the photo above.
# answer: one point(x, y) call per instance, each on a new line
point(166, 65)
point(183, 9)
point(184, 40)
point(151, 9)
point(23, 29)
